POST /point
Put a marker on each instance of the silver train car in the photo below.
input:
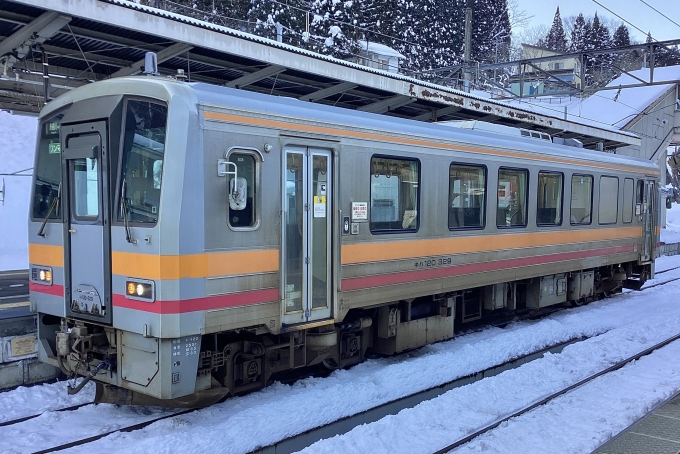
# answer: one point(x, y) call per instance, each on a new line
point(189, 242)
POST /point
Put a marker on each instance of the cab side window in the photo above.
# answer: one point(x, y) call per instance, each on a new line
point(242, 190)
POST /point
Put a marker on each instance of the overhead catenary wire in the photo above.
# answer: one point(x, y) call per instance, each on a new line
point(643, 1)
point(626, 21)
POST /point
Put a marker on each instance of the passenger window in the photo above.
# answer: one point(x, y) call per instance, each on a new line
point(48, 171)
point(549, 211)
point(242, 190)
point(628, 185)
point(608, 210)
point(511, 210)
point(581, 199)
point(466, 196)
point(394, 194)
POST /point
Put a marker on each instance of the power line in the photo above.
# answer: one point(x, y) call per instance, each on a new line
point(643, 1)
point(628, 22)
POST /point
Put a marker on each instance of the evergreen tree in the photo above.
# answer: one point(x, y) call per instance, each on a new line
point(579, 34)
point(556, 39)
point(265, 14)
point(335, 27)
point(621, 36)
point(490, 30)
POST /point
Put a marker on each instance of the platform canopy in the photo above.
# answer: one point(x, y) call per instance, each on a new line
point(86, 41)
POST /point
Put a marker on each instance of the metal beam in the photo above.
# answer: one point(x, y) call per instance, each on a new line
point(164, 55)
point(387, 104)
point(254, 77)
point(38, 31)
point(436, 113)
point(330, 91)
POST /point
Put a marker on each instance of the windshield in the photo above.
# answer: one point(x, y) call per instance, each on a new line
point(142, 170)
point(48, 169)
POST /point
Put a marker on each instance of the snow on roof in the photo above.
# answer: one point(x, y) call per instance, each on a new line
point(379, 49)
point(607, 109)
point(619, 108)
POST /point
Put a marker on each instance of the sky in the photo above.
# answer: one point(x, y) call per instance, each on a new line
point(634, 11)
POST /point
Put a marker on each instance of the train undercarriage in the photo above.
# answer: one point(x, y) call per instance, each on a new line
point(123, 364)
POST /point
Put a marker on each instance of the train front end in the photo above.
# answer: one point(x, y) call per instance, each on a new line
point(95, 234)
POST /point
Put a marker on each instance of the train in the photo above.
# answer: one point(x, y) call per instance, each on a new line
point(189, 242)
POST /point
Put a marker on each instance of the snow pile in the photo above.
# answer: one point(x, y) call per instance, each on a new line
point(671, 232)
point(17, 147)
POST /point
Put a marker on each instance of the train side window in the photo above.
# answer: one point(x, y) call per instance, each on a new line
point(549, 210)
point(242, 191)
point(511, 210)
point(628, 185)
point(581, 199)
point(394, 194)
point(608, 206)
point(467, 190)
point(48, 170)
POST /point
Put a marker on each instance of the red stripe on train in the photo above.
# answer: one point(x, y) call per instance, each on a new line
point(54, 289)
point(358, 283)
point(198, 304)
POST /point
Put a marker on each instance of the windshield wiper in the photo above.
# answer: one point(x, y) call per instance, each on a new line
point(54, 206)
point(123, 211)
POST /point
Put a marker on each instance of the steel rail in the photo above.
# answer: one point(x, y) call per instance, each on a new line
point(553, 396)
point(131, 428)
point(26, 418)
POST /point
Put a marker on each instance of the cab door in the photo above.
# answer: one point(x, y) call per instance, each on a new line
point(307, 273)
point(87, 256)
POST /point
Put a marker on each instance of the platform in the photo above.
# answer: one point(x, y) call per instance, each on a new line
point(658, 432)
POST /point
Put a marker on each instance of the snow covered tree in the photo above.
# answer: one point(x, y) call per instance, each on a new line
point(556, 38)
point(490, 30)
point(335, 27)
point(266, 13)
point(579, 34)
point(621, 36)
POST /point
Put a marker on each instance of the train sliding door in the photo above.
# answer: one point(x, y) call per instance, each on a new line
point(307, 221)
point(648, 221)
point(86, 209)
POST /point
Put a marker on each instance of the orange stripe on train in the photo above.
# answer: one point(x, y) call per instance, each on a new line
point(46, 254)
point(212, 264)
point(395, 250)
point(410, 141)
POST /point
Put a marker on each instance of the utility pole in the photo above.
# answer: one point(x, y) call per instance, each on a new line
point(468, 44)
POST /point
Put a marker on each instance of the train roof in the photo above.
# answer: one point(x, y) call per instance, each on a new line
point(224, 97)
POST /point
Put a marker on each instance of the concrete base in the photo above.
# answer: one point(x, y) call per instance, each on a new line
point(25, 372)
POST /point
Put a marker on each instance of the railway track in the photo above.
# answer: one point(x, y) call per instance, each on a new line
point(27, 418)
point(343, 425)
point(130, 428)
point(557, 394)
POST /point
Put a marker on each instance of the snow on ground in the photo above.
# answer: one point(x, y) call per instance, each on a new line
point(626, 324)
point(17, 141)
point(32, 400)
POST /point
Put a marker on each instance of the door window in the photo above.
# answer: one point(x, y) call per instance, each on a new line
point(85, 188)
